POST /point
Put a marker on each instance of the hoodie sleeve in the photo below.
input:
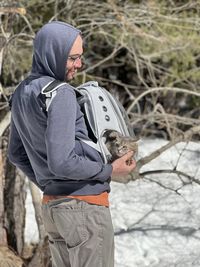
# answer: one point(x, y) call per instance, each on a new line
point(60, 142)
point(17, 155)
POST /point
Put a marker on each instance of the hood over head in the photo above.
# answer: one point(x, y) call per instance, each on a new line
point(52, 45)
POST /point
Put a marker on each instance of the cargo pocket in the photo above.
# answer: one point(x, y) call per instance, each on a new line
point(78, 237)
point(77, 245)
point(70, 222)
point(59, 252)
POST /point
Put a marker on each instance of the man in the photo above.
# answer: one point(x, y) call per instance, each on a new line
point(46, 146)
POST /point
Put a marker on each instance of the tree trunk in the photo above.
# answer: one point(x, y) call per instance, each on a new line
point(14, 201)
point(12, 213)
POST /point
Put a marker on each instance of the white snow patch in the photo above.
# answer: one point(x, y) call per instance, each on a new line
point(154, 226)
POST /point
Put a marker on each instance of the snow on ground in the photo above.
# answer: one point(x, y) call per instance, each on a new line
point(156, 222)
point(31, 232)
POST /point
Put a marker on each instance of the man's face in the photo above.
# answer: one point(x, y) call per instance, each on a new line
point(74, 59)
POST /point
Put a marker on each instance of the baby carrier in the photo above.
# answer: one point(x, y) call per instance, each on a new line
point(102, 112)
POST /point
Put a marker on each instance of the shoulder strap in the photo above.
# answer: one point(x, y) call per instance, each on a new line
point(49, 91)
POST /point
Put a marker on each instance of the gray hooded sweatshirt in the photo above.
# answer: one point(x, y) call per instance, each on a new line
point(46, 146)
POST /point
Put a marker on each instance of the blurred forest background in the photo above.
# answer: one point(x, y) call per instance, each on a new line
point(146, 53)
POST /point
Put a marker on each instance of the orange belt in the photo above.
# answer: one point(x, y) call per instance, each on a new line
point(101, 199)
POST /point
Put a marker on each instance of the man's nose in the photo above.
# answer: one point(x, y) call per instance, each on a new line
point(78, 63)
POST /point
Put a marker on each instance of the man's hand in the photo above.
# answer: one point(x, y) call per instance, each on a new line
point(123, 166)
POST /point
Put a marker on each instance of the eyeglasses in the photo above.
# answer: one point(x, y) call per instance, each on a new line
point(74, 58)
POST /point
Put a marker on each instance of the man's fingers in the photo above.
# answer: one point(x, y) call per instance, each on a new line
point(132, 165)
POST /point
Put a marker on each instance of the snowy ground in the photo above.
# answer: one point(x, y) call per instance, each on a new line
point(155, 225)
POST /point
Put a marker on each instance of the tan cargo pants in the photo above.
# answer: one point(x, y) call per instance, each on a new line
point(80, 234)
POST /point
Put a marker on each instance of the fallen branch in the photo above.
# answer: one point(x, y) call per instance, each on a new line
point(185, 137)
point(136, 174)
point(174, 171)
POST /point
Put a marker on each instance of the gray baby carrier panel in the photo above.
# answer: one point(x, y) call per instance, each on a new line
point(102, 112)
